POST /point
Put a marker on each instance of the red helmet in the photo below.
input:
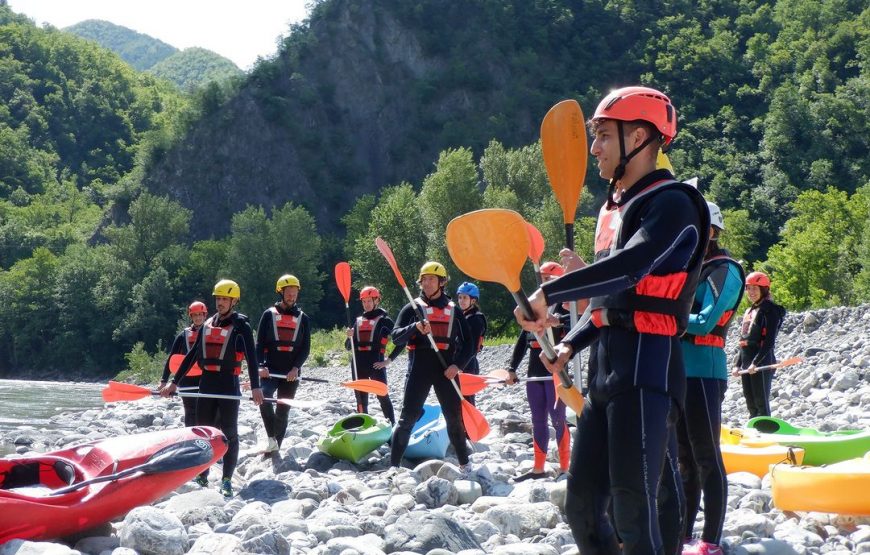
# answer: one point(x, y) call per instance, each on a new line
point(640, 103)
point(552, 269)
point(197, 307)
point(758, 278)
point(369, 292)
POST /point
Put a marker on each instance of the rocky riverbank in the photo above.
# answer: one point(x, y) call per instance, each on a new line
point(303, 502)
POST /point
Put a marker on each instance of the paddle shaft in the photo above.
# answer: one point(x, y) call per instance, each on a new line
point(770, 366)
point(543, 340)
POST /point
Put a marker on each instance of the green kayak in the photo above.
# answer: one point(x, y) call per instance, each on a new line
point(819, 447)
point(355, 436)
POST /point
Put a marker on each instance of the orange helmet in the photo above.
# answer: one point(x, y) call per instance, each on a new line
point(640, 103)
point(550, 269)
point(369, 292)
point(197, 307)
point(758, 278)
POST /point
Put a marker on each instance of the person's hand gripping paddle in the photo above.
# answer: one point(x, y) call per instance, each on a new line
point(475, 423)
point(563, 145)
point(492, 245)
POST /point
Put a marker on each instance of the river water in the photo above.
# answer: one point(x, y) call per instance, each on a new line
point(31, 404)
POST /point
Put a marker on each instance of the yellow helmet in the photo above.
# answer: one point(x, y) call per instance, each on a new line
point(433, 268)
point(227, 288)
point(286, 281)
point(663, 162)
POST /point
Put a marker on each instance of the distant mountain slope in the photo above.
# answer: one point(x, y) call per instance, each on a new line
point(193, 67)
point(139, 50)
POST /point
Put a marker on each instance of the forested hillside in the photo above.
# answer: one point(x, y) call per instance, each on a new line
point(188, 68)
point(121, 201)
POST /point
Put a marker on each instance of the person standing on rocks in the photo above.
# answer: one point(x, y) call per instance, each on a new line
point(649, 247)
point(283, 345)
point(468, 298)
point(370, 334)
point(716, 300)
point(758, 330)
point(453, 338)
point(542, 396)
point(224, 341)
point(181, 346)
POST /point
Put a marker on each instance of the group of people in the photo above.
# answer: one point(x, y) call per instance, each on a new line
point(661, 296)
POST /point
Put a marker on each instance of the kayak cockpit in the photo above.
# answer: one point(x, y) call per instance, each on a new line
point(37, 477)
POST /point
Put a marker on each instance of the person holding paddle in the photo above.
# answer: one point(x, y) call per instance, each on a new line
point(283, 345)
point(368, 337)
point(181, 346)
point(453, 339)
point(716, 300)
point(541, 394)
point(468, 297)
point(649, 246)
point(224, 341)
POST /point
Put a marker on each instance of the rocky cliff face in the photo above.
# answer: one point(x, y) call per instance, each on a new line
point(352, 103)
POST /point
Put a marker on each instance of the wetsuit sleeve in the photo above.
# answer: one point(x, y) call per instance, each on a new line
point(669, 231)
point(304, 346)
point(464, 348)
point(190, 358)
point(387, 329)
point(477, 327)
point(176, 349)
point(520, 348)
point(721, 291)
point(768, 320)
point(246, 335)
point(263, 329)
point(406, 326)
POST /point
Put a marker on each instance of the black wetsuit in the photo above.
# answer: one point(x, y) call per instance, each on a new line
point(280, 355)
point(371, 332)
point(640, 290)
point(477, 326)
point(426, 371)
point(758, 330)
point(181, 346)
point(223, 380)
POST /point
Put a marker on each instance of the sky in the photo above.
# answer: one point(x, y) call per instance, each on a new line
point(240, 31)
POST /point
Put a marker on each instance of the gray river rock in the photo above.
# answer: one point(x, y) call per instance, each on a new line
point(304, 502)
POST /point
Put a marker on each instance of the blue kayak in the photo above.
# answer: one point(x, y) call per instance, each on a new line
point(429, 436)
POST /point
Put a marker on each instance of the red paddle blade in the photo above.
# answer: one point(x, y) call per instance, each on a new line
point(469, 384)
point(385, 250)
point(368, 386)
point(118, 391)
point(342, 280)
point(476, 425)
point(536, 244)
point(175, 364)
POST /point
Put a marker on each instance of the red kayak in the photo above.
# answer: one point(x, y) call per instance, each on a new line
point(56, 494)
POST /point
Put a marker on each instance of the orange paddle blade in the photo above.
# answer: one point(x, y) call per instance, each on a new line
point(368, 386)
point(175, 364)
point(119, 391)
point(536, 244)
point(476, 425)
point(470, 384)
point(387, 253)
point(789, 362)
point(563, 144)
point(471, 234)
point(342, 280)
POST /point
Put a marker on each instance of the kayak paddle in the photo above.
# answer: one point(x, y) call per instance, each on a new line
point(473, 383)
point(172, 458)
point(492, 245)
point(365, 386)
point(342, 281)
point(476, 425)
point(787, 362)
point(119, 391)
point(563, 145)
point(536, 250)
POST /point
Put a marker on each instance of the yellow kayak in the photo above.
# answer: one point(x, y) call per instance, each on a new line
point(757, 460)
point(835, 488)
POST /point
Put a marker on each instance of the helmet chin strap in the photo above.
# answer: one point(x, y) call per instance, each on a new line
point(619, 171)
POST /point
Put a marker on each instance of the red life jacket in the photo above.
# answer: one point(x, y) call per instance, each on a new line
point(365, 329)
point(716, 337)
point(285, 329)
point(190, 336)
point(441, 320)
point(660, 303)
point(216, 350)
